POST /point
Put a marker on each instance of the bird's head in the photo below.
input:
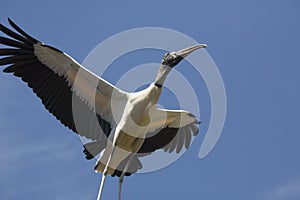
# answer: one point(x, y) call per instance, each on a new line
point(171, 59)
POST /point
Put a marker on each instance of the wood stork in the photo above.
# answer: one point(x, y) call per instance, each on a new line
point(122, 126)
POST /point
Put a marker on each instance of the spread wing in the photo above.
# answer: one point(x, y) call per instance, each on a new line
point(79, 99)
point(171, 130)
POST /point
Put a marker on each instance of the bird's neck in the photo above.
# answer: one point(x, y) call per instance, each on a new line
point(162, 75)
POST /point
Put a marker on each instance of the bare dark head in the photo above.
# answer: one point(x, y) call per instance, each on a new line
point(171, 59)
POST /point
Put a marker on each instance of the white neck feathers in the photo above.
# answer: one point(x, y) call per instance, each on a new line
point(162, 74)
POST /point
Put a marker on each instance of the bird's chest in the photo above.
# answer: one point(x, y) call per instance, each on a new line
point(137, 111)
point(135, 117)
point(135, 120)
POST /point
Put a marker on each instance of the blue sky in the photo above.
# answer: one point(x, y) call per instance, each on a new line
point(255, 45)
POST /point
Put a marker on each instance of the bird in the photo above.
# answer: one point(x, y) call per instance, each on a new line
point(120, 126)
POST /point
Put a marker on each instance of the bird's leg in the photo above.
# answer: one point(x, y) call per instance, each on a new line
point(105, 171)
point(121, 179)
point(101, 186)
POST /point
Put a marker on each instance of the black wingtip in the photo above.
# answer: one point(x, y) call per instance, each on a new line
point(17, 28)
point(88, 155)
point(10, 21)
point(8, 70)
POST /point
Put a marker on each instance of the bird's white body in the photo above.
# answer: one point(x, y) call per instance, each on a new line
point(131, 130)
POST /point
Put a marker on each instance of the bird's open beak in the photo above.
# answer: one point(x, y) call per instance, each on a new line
point(185, 52)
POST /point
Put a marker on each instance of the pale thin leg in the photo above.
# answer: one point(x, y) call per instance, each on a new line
point(105, 173)
point(121, 179)
point(101, 186)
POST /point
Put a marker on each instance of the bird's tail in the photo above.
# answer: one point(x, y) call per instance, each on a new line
point(133, 165)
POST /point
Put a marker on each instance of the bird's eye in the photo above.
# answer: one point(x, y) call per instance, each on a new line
point(167, 54)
